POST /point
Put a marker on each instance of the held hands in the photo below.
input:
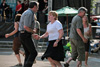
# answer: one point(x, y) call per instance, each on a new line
point(55, 44)
point(36, 36)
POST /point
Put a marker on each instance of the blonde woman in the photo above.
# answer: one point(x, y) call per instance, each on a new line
point(54, 52)
point(87, 34)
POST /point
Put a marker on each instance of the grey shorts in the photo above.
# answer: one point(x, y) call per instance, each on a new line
point(78, 49)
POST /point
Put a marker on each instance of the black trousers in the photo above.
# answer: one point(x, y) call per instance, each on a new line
point(30, 51)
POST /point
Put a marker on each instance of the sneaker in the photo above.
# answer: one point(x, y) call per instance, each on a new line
point(66, 65)
point(20, 65)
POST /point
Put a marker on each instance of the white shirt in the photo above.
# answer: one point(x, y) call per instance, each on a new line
point(53, 29)
point(85, 31)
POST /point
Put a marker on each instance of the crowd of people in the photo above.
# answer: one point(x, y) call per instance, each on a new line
point(27, 33)
point(6, 10)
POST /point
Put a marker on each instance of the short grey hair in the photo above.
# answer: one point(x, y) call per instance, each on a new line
point(82, 9)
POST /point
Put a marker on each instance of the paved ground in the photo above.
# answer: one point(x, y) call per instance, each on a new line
point(7, 59)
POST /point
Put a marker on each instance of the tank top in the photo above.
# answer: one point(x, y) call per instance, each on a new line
point(85, 31)
point(16, 34)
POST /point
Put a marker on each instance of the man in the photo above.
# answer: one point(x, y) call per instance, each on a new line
point(26, 27)
point(77, 38)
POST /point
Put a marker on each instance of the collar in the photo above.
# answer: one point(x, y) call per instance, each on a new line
point(30, 10)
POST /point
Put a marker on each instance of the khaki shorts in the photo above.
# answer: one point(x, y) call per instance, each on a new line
point(78, 49)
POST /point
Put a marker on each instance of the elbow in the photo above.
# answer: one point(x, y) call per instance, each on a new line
point(62, 33)
point(77, 29)
point(16, 30)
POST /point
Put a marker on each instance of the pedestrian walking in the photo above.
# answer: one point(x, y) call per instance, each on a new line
point(87, 35)
point(16, 41)
point(77, 38)
point(26, 27)
point(55, 51)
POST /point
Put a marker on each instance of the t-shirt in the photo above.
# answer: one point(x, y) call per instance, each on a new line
point(76, 24)
point(18, 7)
point(85, 31)
point(53, 29)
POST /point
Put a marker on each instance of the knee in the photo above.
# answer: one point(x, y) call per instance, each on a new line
point(49, 59)
point(15, 51)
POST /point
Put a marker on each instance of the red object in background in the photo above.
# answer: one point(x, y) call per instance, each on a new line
point(18, 7)
point(94, 19)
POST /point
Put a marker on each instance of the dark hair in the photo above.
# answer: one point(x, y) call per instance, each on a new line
point(82, 9)
point(32, 4)
point(19, 1)
point(17, 17)
point(3, 0)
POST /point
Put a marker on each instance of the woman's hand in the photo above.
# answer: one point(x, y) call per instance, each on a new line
point(7, 35)
point(55, 44)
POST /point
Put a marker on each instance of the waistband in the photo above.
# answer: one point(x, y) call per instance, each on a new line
point(24, 31)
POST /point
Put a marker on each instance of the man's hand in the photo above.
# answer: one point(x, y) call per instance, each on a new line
point(36, 36)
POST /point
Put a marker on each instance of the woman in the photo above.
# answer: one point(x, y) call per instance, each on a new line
point(87, 35)
point(16, 41)
point(19, 7)
point(54, 52)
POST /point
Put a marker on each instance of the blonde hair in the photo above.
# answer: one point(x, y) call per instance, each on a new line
point(87, 22)
point(54, 13)
point(35, 18)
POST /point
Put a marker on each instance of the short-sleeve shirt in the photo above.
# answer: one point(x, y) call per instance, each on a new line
point(27, 19)
point(76, 24)
point(53, 29)
point(18, 7)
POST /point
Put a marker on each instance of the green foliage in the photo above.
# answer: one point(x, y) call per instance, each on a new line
point(92, 4)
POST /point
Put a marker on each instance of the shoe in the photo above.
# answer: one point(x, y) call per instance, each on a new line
point(20, 65)
point(66, 65)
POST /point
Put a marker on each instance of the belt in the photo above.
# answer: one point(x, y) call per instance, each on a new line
point(22, 31)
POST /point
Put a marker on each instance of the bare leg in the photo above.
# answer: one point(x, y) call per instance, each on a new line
point(20, 51)
point(52, 64)
point(69, 59)
point(86, 59)
point(57, 63)
point(18, 58)
point(79, 63)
